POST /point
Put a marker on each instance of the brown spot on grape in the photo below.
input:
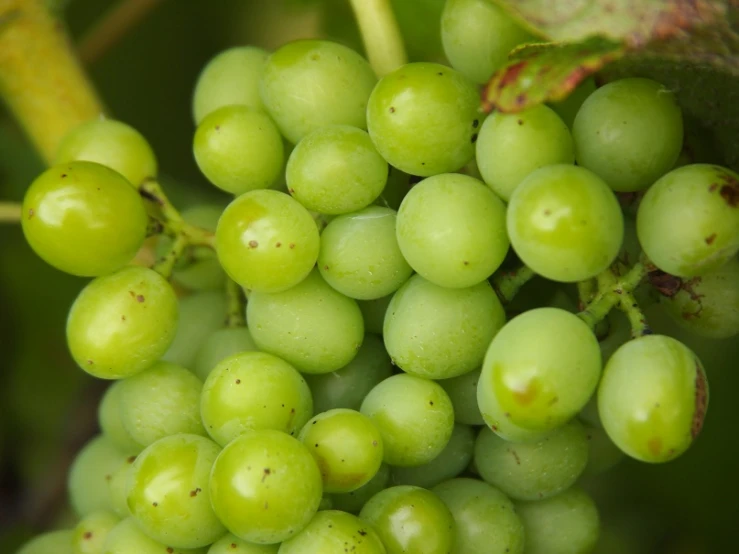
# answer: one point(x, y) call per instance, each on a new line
point(520, 121)
point(701, 401)
point(655, 446)
point(218, 127)
point(292, 245)
point(131, 459)
point(473, 139)
point(431, 402)
point(666, 284)
point(710, 238)
point(362, 532)
point(123, 318)
point(325, 267)
point(266, 473)
point(89, 362)
point(140, 298)
point(713, 187)
point(132, 294)
point(238, 381)
point(64, 175)
point(465, 262)
point(195, 492)
point(277, 245)
point(374, 443)
point(30, 213)
point(253, 244)
point(392, 109)
point(475, 123)
point(87, 535)
point(233, 545)
point(515, 456)
point(170, 550)
point(155, 504)
point(730, 191)
point(527, 394)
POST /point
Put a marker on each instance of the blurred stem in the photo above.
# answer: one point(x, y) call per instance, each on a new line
point(639, 326)
point(165, 266)
point(508, 283)
point(112, 27)
point(236, 316)
point(380, 34)
point(152, 191)
point(611, 291)
point(40, 78)
point(10, 212)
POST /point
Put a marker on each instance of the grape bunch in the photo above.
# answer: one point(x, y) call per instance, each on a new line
point(347, 357)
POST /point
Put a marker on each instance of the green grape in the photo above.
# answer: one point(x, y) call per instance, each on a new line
point(83, 218)
point(708, 305)
point(90, 533)
point(308, 84)
point(225, 136)
point(602, 453)
point(52, 542)
point(565, 223)
point(533, 470)
point(653, 398)
point(336, 170)
point(373, 313)
point(347, 387)
point(511, 146)
point(201, 314)
point(334, 531)
point(229, 78)
point(265, 486)
point(423, 118)
point(477, 36)
point(485, 519)
point(122, 323)
point(110, 143)
point(360, 256)
point(117, 487)
point(629, 132)
point(346, 446)
point(167, 491)
point(462, 391)
point(254, 390)
point(415, 418)
point(452, 230)
point(567, 109)
point(688, 222)
point(218, 346)
point(128, 538)
point(452, 461)
point(311, 326)
point(266, 241)
point(410, 520)
point(91, 469)
point(564, 524)
point(110, 419)
point(437, 333)
point(354, 501)
point(161, 401)
point(231, 544)
point(539, 371)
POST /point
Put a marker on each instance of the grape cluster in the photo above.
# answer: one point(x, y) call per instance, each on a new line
point(335, 361)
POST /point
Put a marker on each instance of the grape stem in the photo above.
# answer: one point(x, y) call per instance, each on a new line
point(236, 306)
point(586, 291)
point(165, 266)
point(507, 283)
point(380, 35)
point(10, 212)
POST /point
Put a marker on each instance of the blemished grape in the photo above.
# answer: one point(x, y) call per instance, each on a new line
point(167, 491)
point(127, 537)
point(452, 230)
point(336, 170)
point(603, 454)
point(311, 326)
point(436, 332)
point(218, 346)
point(462, 391)
point(427, 524)
point(229, 78)
point(231, 544)
point(485, 519)
point(252, 391)
point(539, 372)
point(373, 313)
point(201, 314)
point(346, 446)
point(511, 146)
point(334, 531)
point(110, 418)
point(653, 398)
point(239, 149)
point(407, 111)
point(533, 470)
point(477, 37)
point(347, 387)
point(110, 143)
point(688, 221)
point(83, 218)
point(562, 524)
point(89, 534)
point(415, 418)
point(353, 501)
point(629, 132)
point(56, 542)
point(160, 401)
point(266, 241)
point(122, 323)
point(360, 256)
point(708, 305)
point(265, 486)
point(308, 84)
point(452, 461)
point(565, 223)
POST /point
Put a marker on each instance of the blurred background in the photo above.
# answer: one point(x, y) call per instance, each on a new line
point(48, 406)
